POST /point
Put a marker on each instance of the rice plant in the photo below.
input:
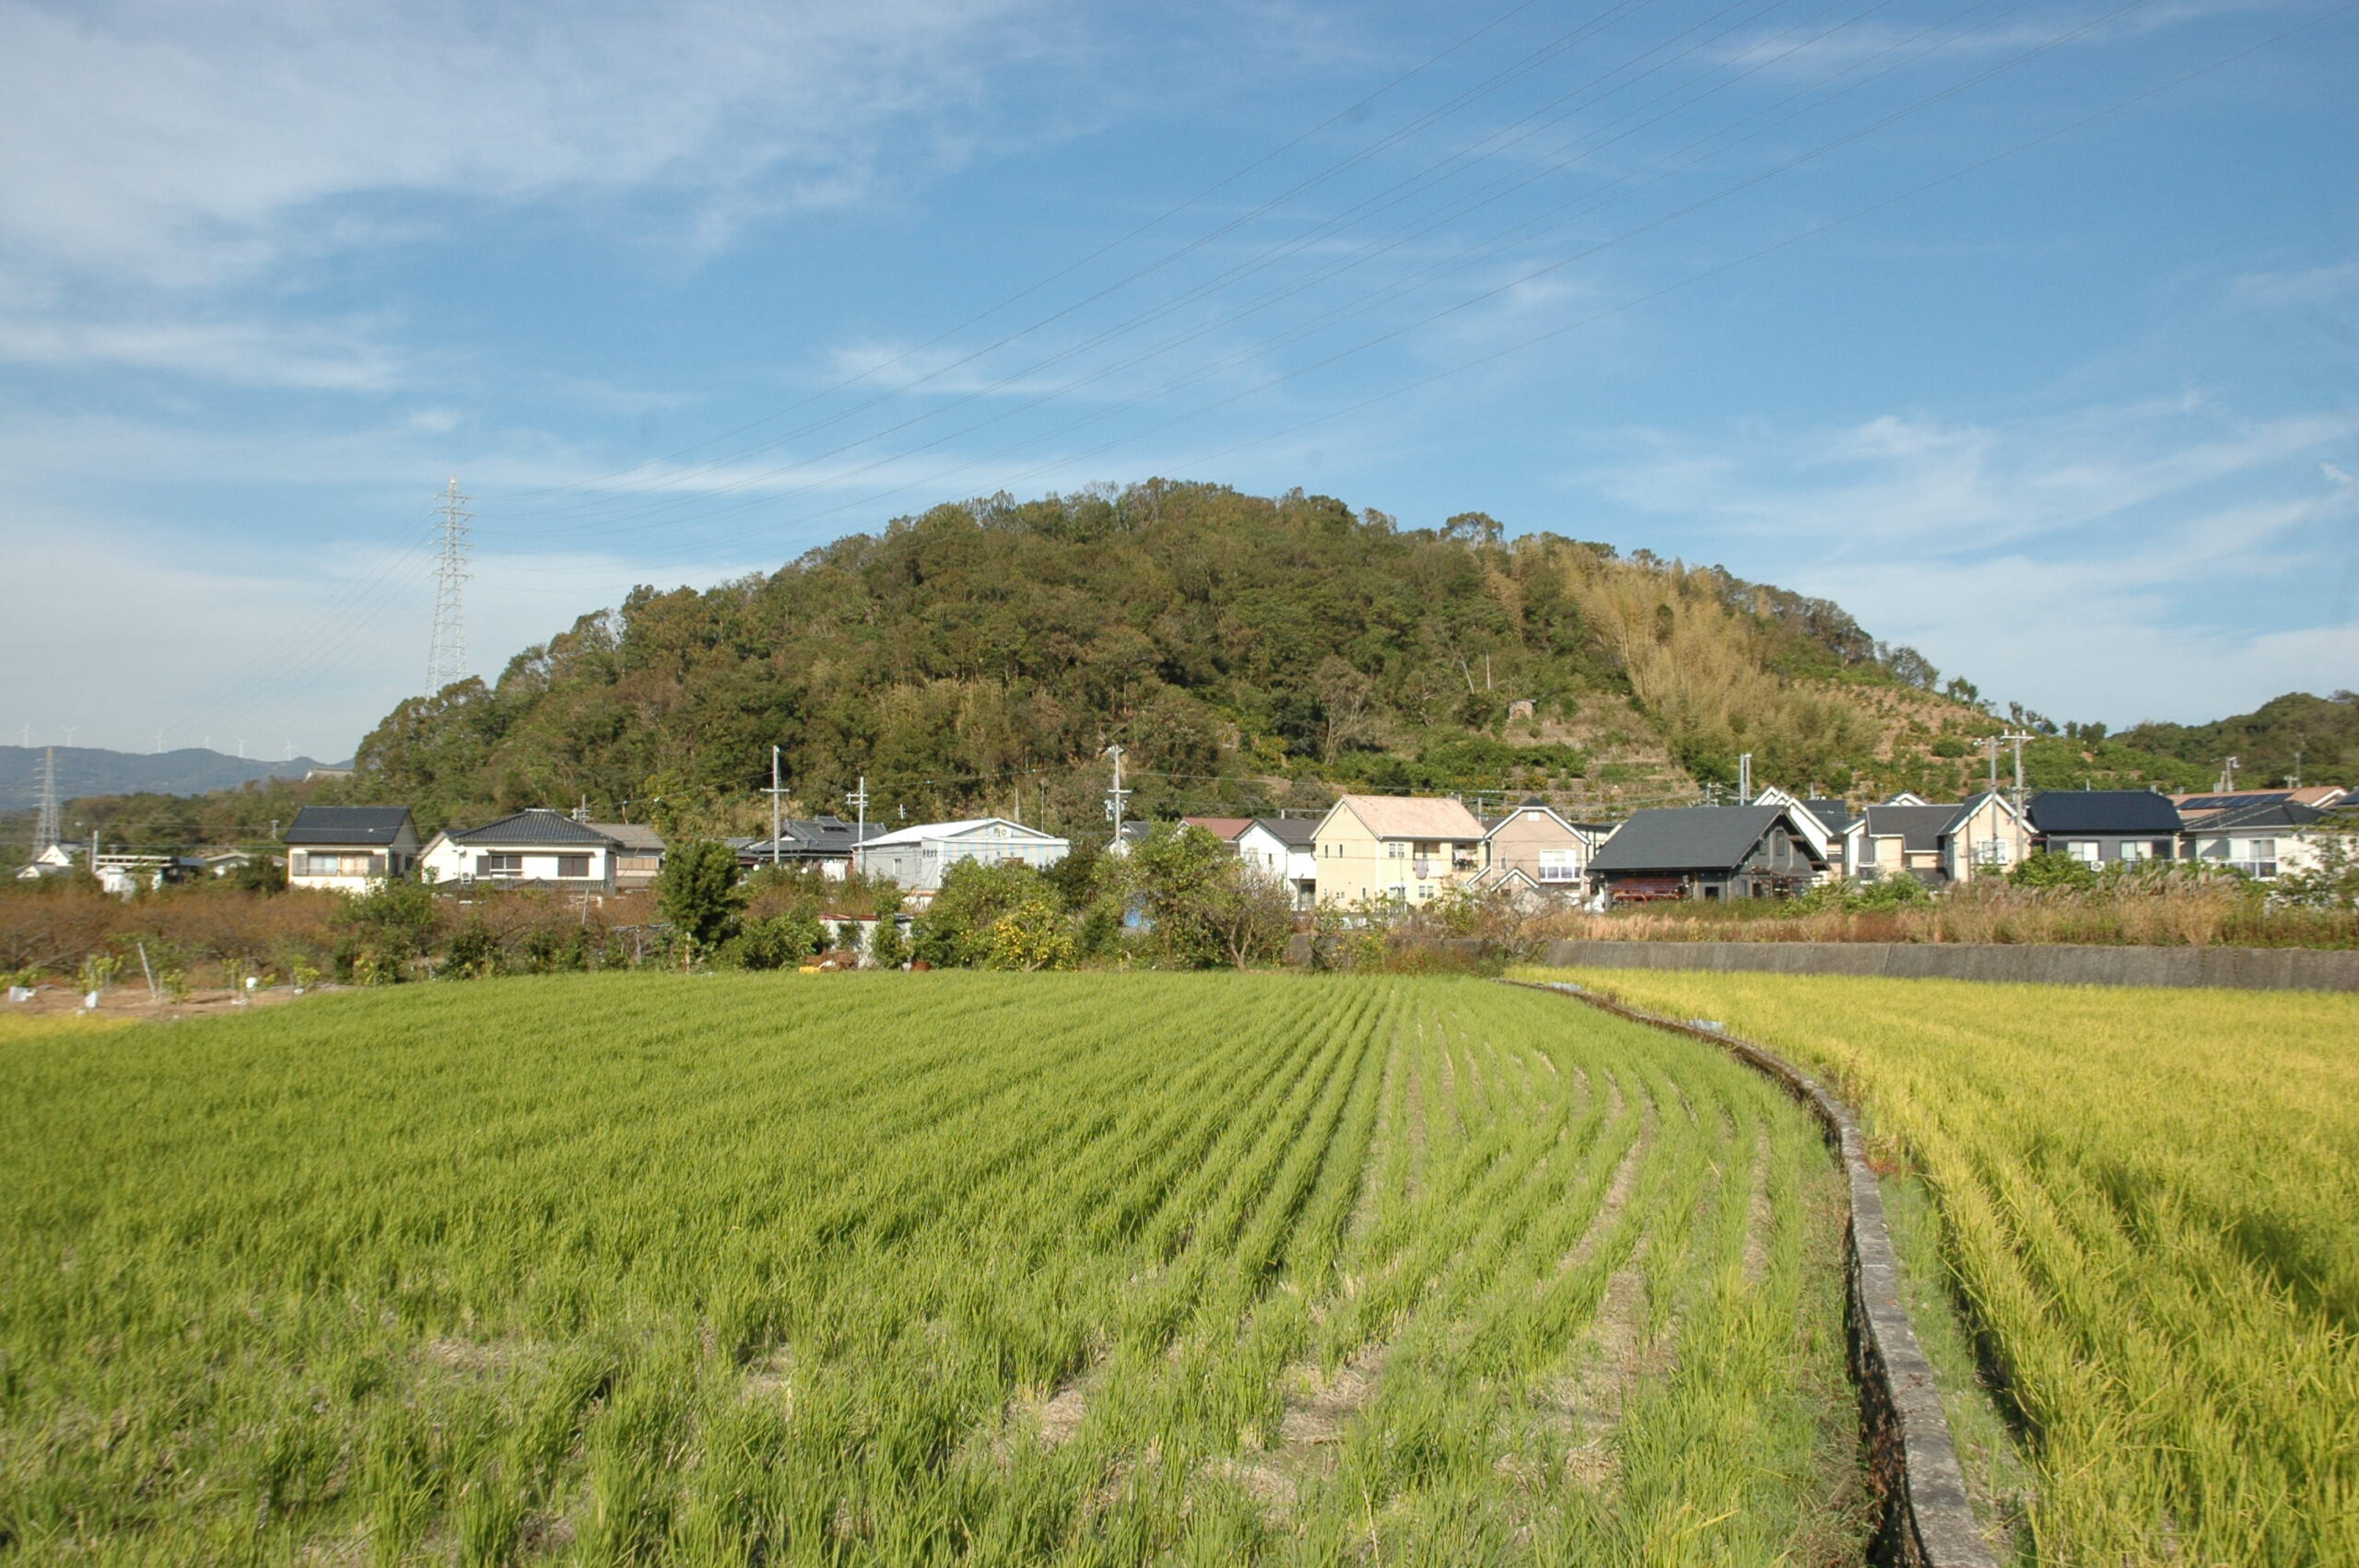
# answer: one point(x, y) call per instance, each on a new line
point(2150, 1200)
point(930, 1268)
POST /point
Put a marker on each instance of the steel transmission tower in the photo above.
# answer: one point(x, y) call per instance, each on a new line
point(446, 658)
point(45, 831)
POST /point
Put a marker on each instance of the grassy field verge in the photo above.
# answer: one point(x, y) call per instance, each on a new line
point(2150, 1202)
point(917, 1268)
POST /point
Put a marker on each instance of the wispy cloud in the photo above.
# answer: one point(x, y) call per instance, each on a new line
point(157, 158)
point(2083, 562)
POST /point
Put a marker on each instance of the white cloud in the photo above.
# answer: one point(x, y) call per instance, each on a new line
point(2081, 563)
point(167, 170)
point(184, 142)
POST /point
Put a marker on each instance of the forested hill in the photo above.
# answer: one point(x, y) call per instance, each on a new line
point(1246, 652)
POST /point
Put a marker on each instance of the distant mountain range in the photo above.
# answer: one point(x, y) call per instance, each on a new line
point(93, 770)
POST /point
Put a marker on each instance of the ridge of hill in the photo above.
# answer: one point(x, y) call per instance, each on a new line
point(95, 770)
point(1248, 652)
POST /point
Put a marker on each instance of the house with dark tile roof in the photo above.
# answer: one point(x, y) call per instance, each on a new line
point(1707, 852)
point(2105, 827)
point(535, 847)
point(349, 848)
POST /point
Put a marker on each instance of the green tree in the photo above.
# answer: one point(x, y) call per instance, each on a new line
point(697, 892)
point(957, 930)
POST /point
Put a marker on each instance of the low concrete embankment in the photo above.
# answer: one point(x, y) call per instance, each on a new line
point(2242, 968)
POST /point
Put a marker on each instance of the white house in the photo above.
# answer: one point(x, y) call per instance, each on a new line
point(537, 848)
point(919, 856)
point(349, 848)
point(1284, 848)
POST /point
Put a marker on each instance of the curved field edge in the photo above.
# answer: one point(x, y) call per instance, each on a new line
point(2148, 1203)
point(917, 1268)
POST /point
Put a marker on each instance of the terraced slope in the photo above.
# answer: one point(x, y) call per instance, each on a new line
point(917, 1268)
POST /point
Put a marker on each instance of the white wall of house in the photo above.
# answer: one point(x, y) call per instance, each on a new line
point(588, 866)
point(340, 870)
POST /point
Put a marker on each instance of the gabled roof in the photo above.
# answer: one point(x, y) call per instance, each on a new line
point(921, 831)
point(1919, 828)
point(1225, 828)
point(1399, 816)
point(1294, 832)
point(1534, 804)
point(347, 825)
point(534, 825)
point(1692, 838)
point(2103, 810)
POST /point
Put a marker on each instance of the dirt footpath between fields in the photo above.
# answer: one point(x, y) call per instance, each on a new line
point(138, 1003)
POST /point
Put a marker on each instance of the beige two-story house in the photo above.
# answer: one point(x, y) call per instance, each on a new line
point(1396, 849)
point(1533, 847)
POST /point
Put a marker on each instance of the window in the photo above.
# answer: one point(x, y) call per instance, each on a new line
point(500, 865)
point(1396, 850)
point(574, 865)
point(1557, 865)
point(318, 864)
point(2132, 850)
point(2084, 850)
point(1424, 891)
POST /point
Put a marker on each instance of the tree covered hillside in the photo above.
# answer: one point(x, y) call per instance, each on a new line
point(985, 654)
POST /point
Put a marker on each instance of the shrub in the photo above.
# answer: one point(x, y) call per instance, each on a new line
point(697, 892)
point(782, 941)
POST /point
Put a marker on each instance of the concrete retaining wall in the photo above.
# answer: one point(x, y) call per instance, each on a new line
point(1928, 1518)
point(2242, 968)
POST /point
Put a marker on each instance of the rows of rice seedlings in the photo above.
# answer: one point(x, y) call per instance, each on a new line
point(2151, 1202)
point(914, 1270)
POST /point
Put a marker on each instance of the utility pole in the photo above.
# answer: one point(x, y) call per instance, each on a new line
point(1116, 795)
point(775, 792)
point(446, 654)
point(2016, 738)
point(2228, 774)
point(45, 834)
point(1744, 779)
point(1990, 745)
point(858, 801)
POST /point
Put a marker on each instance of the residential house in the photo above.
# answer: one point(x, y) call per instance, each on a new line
point(1707, 852)
point(919, 855)
point(820, 843)
point(2104, 828)
point(1406, 850)
point(2262, 838)
point(639, 854)
point(1536, 847)
point(535, 847)
point(1284, 848)
point(350, 849)
point(1942, 843)
point(54, 860)
point(1830, 825)
point(1225, 828)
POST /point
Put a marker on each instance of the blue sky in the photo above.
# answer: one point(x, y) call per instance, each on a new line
point(2026, 330)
